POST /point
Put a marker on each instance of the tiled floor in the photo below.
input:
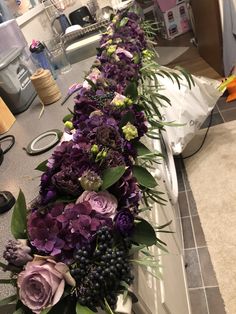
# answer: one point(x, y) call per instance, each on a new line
point(223, 112)
point(203, 287)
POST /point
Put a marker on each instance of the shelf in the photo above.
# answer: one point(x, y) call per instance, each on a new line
point(27, 16)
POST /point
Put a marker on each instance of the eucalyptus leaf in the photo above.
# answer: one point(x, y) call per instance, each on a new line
point(18, 220)
point(80, 309)
point(144, 233)
point(111, 175)
point(42, 166)
point(144, 177)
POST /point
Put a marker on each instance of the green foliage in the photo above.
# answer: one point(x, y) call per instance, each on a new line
point(128, 117)
point(144, 233)
point(8, 300)
point(131, 90)
point(80, 309)
point(144, 177)
point(111, 175)
point(19, 220)
point(107, 307)
point(68, 117)
point(42, 166)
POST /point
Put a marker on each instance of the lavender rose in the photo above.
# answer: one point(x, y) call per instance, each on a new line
point(124, 222)
point(41, 284)
point(103, 203)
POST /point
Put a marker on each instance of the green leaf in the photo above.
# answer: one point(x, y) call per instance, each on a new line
point(42, 166)
point(165, 225)
point(108, 308)
point(8, 300)
point(144, 233)
point(18, 220)
point(141, 149)
point(131, 90)
point(124, 21)
point(144, 177)
point(128, 117)
point(19, 311)
point(68, 117)
point(45, 311)
point(83, 309)
point(111, 176)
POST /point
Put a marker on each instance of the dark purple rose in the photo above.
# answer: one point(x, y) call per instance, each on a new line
point(124, 222)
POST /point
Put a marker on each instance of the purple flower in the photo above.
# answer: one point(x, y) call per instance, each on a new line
point(103, 203)
point(66, 181)
point(41, 285)
point(17, 252)
point(43, 233)
point(124, 222)
point(127, 192)
point(109, 136)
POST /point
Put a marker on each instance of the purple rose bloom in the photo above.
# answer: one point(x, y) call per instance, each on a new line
point(41, 285)
point(124, 222)
point(103, 203)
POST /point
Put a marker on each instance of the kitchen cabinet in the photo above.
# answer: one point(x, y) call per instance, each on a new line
point(208, 32)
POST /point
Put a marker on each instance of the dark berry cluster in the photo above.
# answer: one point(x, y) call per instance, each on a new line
point(102, 99)
point(98, 274)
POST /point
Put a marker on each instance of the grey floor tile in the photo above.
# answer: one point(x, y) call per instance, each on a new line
point(216, 119)
point(223, 105)
point(215, 110)
point(198, 301)
point(192, 203)
point(187, 233)
point(185, 178)
point(208, 273)
point(229, 115)
point(183, 204)
point(193, 274)
point(215, 301)
point(197, 229)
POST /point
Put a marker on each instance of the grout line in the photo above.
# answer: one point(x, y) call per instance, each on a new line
point(205, 287)
point(222, 116)
point(196, 247)
point(194, 238)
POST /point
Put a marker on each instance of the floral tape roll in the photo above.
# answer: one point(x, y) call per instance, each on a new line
point(45, 86)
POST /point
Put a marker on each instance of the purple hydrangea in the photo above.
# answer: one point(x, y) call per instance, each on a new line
point(63, 228)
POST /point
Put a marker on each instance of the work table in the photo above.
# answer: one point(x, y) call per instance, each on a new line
point(17, 170)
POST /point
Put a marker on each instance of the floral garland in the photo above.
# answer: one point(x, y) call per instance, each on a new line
point(81, 232)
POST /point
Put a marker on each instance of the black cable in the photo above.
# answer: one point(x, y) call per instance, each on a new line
point(12, 143)
point(204, 139)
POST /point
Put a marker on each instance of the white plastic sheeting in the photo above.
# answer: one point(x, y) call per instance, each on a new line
point(189, 107)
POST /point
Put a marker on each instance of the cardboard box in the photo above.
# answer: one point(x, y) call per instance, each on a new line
point(175, 21)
